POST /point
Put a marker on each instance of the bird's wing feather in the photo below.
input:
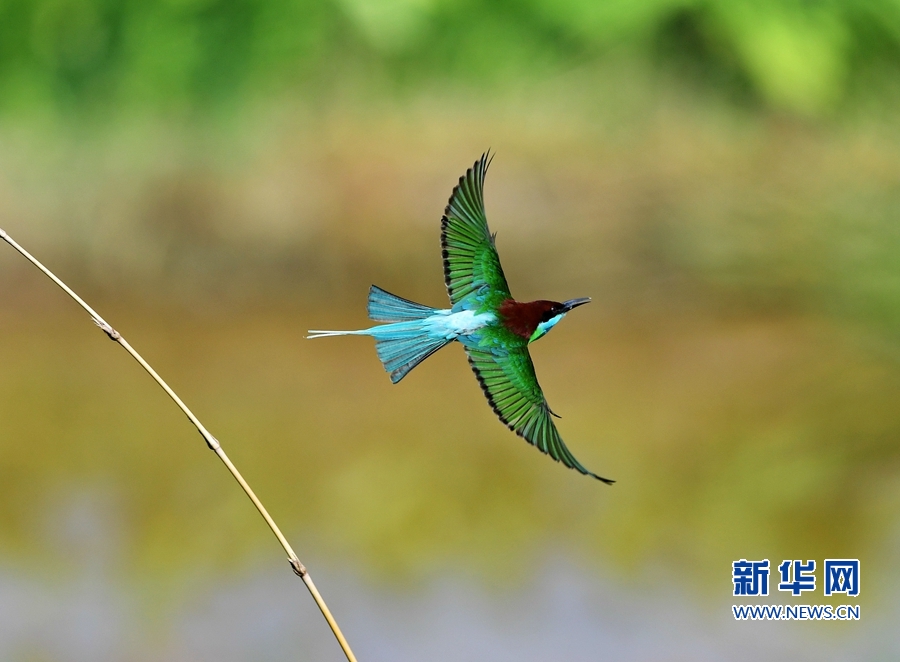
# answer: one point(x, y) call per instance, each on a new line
point(510, 384)
point(470, 258)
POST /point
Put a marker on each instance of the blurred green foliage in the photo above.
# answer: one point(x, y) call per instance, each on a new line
point(175, 55)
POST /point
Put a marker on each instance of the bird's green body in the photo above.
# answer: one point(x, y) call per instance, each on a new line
point(494, 328)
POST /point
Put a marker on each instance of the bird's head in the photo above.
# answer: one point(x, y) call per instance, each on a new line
point(553, 314)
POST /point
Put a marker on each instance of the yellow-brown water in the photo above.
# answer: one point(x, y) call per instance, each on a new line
point(737, 373)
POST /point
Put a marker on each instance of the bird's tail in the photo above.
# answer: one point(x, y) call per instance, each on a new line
point(386, 307)
point(316, 333)
point(405, 343)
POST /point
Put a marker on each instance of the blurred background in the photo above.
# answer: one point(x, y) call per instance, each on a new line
point(216, 177)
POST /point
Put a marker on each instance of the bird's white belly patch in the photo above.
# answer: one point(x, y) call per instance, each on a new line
point(446, 324)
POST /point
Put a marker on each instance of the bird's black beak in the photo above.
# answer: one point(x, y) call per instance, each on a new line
point(574, 303)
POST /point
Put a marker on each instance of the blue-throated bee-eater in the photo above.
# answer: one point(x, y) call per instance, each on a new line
point(494, 328)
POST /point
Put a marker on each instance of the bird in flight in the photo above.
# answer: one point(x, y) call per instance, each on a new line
point(494, 328)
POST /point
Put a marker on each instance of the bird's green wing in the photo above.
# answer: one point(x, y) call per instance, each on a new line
point(470, 258)
point(508, 380)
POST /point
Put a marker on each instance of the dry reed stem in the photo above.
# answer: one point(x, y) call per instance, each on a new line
point(298, 568)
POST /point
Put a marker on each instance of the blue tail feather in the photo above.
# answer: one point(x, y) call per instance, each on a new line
point(403, 343)
point(400, 354)
point(386, 307)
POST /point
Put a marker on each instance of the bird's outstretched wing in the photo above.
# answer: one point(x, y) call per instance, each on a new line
point(508, 380)
point(470, 258)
